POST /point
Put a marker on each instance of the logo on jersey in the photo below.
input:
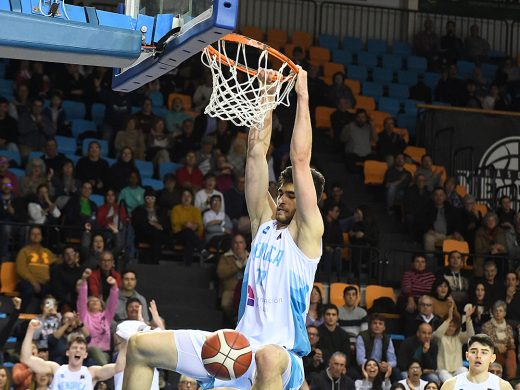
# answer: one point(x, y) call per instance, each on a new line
point(266, 229)
point(250, 296)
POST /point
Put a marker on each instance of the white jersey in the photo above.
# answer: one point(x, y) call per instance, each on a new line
point(276, 291)
point(462, 383)
point(118, 380)
point(65, 379)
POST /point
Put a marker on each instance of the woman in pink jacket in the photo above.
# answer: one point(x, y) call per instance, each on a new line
point(97, 317)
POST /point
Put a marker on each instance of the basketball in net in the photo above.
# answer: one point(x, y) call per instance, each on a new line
point(242, 93)
point(226, 354)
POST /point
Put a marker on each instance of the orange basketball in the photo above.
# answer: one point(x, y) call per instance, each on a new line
point(226, 354)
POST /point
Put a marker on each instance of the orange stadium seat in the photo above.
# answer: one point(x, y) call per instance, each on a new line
point(403, 133)
point(319, 55)
point(374, 172)
point(374, 291)
point(454, 245)
point(366, 102)
point(253, 32)
point(186, 101)
point(288, 49)
point(302, 39)
point(327, 79)
point(276, 38)
point(441, 171)
point(8, 278)
point(378, 118)
point(411, 168)
point(461, 190)
point(336, 293)
point(482, 208)
point(355, 86)
point(345, 252)
point(323, 117)
point(331, 68)
point(415, 153)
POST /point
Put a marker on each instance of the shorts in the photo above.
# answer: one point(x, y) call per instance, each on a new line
point(189, 345)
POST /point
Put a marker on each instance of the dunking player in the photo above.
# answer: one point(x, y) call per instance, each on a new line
point(278, 277)
point(480, 355)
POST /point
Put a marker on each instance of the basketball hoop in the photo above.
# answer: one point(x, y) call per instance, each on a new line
point(241, 94)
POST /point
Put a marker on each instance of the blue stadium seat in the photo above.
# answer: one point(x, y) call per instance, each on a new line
point(417, 63)
point(399, 91)
point(489, 71)
point(161, 112)
point(72, 157)
point(401, 48)
point(157, 99)
point(353, 45)
point(18, 172)
point(35, 154)
point(372, 89)
point(392, 61)
point(356, 72)
point(6, 87)
point(390, 105)
point(378, 46)
point(102, 143)
point(154, 183)
point(99, 200)
point(465, 68)
point(341, 57)
point(145, 168)
point(135, 109)
point(66, 144)
point(495, 54)
point(110, 161)
point(431, 79)
point(79, 126)
point(367, 59)
point(410, 106)
point(2, 70)
point(328, 41)
point(74, 110)
point(408, 77)
point(408, 122)
point(98, 112)
point(12, 156)
point(383, 76)
point(167, 167)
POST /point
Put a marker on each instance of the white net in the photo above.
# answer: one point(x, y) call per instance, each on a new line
point(238, 94)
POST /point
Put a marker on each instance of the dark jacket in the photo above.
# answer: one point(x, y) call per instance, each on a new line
point(73, 214)
point(323, 381)
point(429, 214)
point(93, 171)
point(63, 282)
point(338, 340)
point(412, 326)
point(412, 349)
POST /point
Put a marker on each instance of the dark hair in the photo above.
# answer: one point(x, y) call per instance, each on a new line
point(77, 339)
point(330, 206)
point(483, 339)
point(473, 297)
point(128, 271)
point(216, 196)
point(319, 181)
point(132, 300)
point(413, 361)
point(361, 111)
point(418, 254)
point(319, 310)
point(170, 176)
point(43, 185)
point(453, 252)
point(8, 382)
point(210, 175)
point(94, 143)
point(377, 383)
point(432, 382)
point(397, 385)
point(376, 317)
point(3, 100)
point(436, 284)
point(330, 306)
point(349, 288)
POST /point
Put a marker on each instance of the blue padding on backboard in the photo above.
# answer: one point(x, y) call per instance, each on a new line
point(111, 19)
point(5, 5)
point(163, 24)
point(148, 22)
point(58, 40)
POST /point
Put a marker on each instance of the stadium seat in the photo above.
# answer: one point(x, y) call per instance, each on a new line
point(378, 46)
point(8, 278)
point(407, 77)
point(374, 292)
point(374, 172)
point(345, 251)
point(392, 61)
point(145, 168)
point(167, 167)
point(367, 59)
point(99, 200)
point(323, 117)
point(461, 190)
point(378, 118)
point(390, 105)
point(431, 79)
point(336, 293)
point(356, 72)
point(399, 91)
point(417, 63)
point(441, 171)
point(319, 55)
point(6, 87)
point(415, 153)
point(372, 89)
point(481, 207)
point(66, 144)
point(465, 68)
point(401, 48)
point(489, 71)
point(72, 157)
point(454, 245)
point(331, 68)
point(342, 57)
point(186, 101)
point(157, 185)
point(327, 80)
point(407, 121)
point(74, 110)
point(366, 102)
point(12, 156)
point(383, 76)
point(101, 142)
point(277, 38)
point(410, 168)
point(98, 113)
point(110, 161)
point(353, 45)
point(410, 106)
point(354, 85)
point(18, 172)
point(253, 32)
point(34, 154)
point(302, 39)
point(2, 70)
point(328, 41)
point(80, 126)
point(157, 98)
point(288, 49)
point(403, 133)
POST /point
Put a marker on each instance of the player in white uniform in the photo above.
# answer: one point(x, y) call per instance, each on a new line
point(278, 278)
point(73, 375)
point(479, 355)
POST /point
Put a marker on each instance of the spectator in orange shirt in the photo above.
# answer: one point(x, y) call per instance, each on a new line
point(187, 225)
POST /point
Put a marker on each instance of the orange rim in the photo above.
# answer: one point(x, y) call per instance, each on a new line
point(237, 38)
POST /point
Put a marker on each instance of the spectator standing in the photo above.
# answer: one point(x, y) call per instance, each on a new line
point(13, 210)
point(426, 43)
point(332, 337)
point(341, 117)
point(470, 220)
point(416, 198)
point(480, 301)
point(333, 242)
point(53, 159)
point(56, 114)
point(451, 45)
point(8, 127)
point(456, 278)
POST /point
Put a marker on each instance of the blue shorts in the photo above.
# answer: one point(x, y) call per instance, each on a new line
point(189, 345)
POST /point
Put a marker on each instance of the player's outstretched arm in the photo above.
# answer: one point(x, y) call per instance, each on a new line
point(260, 205)
point(308, 217)
point(103, 373)
point(35, 364)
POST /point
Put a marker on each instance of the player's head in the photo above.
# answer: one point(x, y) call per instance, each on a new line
point(286, 200)
point(481, 353)
point(76, 351)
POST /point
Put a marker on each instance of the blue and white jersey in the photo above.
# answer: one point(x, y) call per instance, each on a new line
point(65, 379)
point(276, 291)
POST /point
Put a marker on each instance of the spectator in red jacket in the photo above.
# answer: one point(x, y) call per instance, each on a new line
point(97, 282)
point(189, 176)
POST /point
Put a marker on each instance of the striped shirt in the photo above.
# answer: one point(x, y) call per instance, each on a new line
point(415, 284)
